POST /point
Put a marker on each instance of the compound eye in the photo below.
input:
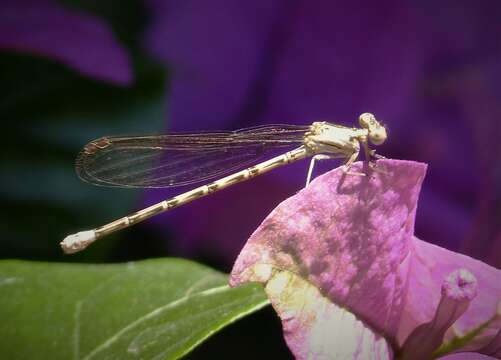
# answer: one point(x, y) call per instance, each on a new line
point(377, 136)
point(366, 120)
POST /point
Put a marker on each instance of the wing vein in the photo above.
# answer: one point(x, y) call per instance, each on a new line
point(173, 160)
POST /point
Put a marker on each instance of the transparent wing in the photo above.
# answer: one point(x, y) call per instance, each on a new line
point(180, 159)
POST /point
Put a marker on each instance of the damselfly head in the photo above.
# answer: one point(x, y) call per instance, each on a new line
point(377, 132)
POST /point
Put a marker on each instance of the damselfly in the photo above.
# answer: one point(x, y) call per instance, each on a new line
point(183, 159)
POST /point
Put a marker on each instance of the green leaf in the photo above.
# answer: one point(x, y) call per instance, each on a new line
point(154, 309)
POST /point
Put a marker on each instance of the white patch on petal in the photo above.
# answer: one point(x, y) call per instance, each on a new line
point(262, 272)
point(316, 328)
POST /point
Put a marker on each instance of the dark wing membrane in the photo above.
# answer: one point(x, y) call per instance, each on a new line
point(181, 159)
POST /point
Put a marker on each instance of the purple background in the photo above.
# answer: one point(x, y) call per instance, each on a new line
point(430, 71)
point(75, 70)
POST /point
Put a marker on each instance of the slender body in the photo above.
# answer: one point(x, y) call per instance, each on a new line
point(321, 140)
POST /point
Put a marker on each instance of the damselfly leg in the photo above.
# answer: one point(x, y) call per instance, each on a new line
point(317, 158)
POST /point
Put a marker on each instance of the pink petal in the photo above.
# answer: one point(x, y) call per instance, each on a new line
point(493, 348)
point(82, 42)
point(351, 238)
point(458, 289)
point(429, 267)
point(466, 356)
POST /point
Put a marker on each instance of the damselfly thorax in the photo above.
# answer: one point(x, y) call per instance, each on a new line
point(184, 159)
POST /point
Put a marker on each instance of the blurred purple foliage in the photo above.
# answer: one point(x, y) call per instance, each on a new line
point(429, 70)
point(82, 42)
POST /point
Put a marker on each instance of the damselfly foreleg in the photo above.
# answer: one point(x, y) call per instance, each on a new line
point(371, 157)
point(349, 162)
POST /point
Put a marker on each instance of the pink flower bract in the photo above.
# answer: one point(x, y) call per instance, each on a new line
point(352, 239)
